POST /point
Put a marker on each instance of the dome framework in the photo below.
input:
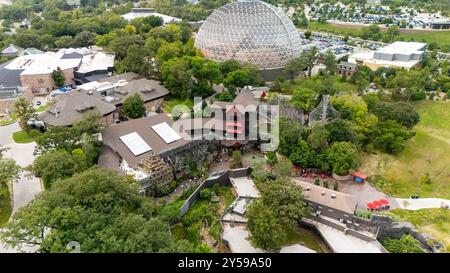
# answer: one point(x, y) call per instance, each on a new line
point(249, 31)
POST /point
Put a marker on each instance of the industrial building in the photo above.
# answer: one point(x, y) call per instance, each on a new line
point(146, 12)
point(398, 55)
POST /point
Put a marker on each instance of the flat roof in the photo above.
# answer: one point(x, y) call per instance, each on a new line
point(327, 197)
point(400, 47)
point(96, 61)
point(368, 57)
point(245, 187)
point(147, 12)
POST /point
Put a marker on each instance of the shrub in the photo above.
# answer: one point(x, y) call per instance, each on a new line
point(325, 184)
point(206, 194)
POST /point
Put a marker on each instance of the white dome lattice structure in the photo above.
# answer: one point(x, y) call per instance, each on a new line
point(249, 31)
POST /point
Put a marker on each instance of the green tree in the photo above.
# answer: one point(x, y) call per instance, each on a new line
point(302, 154)
point(9, 171)
point(262, 223)
point(390, 137)
point(330, 62)
point(283, 168)
point(406, 244)
point(134, 106)
point(24, 111)
point(318, 138)
point(392, 32)
point(177, 76)
point(237, 159)
point(304, 98)
point(341, 130)
point(134, 61)
point(343, 157)
point(58, 77)
point(100, 210)
point(56, 165)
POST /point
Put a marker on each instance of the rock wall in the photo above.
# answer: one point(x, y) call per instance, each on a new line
point(395, 230)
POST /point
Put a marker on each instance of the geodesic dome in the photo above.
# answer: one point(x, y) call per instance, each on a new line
point(249, 31)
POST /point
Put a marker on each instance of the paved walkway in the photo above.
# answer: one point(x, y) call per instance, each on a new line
point(6, 133)
point(27, 187)
point(344, 243)
point(422, 203)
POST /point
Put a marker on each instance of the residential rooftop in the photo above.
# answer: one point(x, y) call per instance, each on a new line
point(74, 106)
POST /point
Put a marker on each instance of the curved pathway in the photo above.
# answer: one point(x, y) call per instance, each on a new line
point(422, 203)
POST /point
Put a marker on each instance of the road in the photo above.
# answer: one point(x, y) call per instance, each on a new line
point(422, 203)
point(6, 133)
point(27, 186)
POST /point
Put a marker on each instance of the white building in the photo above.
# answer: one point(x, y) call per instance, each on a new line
point(399, 54)
point(145, 12)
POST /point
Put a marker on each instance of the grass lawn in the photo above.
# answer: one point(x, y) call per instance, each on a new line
point(5, 207)
point(23, 137)
point(170, 103)
point(306, 237)
point(41, 108)
point(428, 152)
point(442, 38)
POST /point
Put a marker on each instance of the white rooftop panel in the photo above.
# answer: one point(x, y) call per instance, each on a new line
point(135, 143)
point(166, 132)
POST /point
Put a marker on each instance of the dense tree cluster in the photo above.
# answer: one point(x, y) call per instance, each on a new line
point(98, 209)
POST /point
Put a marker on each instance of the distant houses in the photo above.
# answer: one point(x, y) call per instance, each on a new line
point(30, 73)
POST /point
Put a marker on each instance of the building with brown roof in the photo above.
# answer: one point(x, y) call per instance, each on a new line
point(72, 107)
point(153, 152)
point(117, 89)
point(328, 202)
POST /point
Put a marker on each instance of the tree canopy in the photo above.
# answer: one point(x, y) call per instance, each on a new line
point(100, 210)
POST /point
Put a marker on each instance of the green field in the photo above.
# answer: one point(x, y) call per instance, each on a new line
point(428, 152)
point(23, 137)
point(442, 38)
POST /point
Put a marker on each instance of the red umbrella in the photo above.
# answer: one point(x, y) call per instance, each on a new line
point(377, 204)
point(384, 201)
point(371, 206)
